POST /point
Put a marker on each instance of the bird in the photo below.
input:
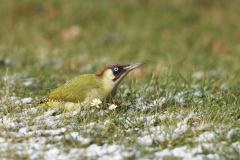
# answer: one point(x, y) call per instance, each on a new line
point(82, 90)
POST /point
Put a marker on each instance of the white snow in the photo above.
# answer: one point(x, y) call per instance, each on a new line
point(233, 132)
point(183, 152)
point(94, 150)
point(77, 137)
point(158, 102)
point(146, 140)
point(236, 145)
point(50, 132)
point(2, 140)
point(198, 75)
point(197, 93)
point(163, 153)
point(205, 136)
point(52, 153)
point(27, 83)
point(224, 87)
point(178, 97)
point(26, 100)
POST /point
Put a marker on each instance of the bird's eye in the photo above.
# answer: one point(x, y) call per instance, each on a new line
point(116, 69)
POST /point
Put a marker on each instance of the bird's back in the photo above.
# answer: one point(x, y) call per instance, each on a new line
point(76, 90)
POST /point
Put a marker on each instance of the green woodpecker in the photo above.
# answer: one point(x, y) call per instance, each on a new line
point(81, 90)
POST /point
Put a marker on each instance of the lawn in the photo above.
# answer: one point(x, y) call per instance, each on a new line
point(184, 103)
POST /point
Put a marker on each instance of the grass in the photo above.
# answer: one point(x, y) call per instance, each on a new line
point(183, 103)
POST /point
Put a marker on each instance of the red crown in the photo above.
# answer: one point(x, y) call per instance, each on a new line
point(107, 68)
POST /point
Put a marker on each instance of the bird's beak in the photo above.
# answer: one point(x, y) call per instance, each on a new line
point(130, 67)
point(126, 69)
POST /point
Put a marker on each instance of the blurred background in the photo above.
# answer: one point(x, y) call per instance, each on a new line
point(57, 40)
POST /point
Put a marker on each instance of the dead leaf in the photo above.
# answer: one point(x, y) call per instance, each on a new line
point(71, 33)
point(216, 85)
point(218, 46)
point(237, 38)
point(51, 11)
point(138, 72)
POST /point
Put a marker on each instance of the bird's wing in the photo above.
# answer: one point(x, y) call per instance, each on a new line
point(71, 92)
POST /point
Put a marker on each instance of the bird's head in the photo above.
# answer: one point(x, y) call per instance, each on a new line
point(116, 72)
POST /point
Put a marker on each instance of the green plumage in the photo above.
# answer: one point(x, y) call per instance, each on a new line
point(75, 90)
